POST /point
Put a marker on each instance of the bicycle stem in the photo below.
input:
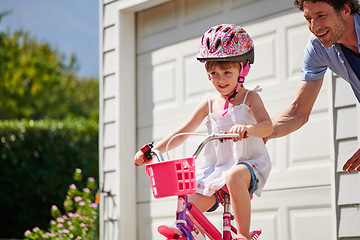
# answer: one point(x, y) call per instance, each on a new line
point(158, 155)
point(221, 137)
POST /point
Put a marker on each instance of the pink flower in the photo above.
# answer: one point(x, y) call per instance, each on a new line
point(86, 190)
point(94, 205)
point(78, 170)
point(54, 207)
point(81, 203)
point(73, 214)
point(91, 179)
point(60, 225)
point(27, 232)
point(65, 231)
point(72, 186)
point(60, 219)
point(36, 229)
point(52, 222)
point(77, 199)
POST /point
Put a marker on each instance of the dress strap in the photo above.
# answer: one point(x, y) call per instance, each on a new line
point(246, 94)
point(209, 101)
point(256, 89)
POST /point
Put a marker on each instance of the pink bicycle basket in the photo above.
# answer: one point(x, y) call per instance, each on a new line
point(172, 178)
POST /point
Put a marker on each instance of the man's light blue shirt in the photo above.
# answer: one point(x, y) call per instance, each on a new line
point(317, 59)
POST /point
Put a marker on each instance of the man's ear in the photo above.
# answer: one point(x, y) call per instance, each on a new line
point(346, 9)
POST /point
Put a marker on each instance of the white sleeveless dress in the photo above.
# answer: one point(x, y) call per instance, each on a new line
point(220, 157)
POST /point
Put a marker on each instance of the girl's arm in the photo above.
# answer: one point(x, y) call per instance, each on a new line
point(190, 125)
point(263, 127)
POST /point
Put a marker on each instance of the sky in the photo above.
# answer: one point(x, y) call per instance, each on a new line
point(70, 26)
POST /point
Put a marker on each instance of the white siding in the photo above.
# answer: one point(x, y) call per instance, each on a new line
point(346, 141)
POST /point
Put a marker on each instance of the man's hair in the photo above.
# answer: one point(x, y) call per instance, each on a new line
point(336, 4)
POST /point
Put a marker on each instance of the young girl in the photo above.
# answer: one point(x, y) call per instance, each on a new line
point(243, 164)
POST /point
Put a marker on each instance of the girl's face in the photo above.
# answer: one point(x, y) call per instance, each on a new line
point(224, 79)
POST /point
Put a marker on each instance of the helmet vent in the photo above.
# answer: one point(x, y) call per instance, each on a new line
point(208, 43)
point(218, 28)
point(227, 29)
point(217, 43)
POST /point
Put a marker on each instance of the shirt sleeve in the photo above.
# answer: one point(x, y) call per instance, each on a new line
point(314, 66)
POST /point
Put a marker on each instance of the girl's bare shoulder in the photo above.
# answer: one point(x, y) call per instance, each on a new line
point(253, 97)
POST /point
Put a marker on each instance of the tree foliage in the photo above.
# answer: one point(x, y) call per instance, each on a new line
point(38, 82)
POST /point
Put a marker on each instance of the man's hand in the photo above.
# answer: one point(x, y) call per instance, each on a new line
point(353, 163)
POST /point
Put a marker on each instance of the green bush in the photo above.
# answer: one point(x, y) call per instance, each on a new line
point(37, 160)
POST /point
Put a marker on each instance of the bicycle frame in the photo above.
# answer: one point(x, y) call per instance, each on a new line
point(189, 219)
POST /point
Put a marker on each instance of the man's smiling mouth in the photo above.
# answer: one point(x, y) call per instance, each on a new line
point(322, 33)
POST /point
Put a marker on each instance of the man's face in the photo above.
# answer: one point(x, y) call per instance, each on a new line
point(324, 22)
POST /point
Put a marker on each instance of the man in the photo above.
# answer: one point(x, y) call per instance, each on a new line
point(335, 44)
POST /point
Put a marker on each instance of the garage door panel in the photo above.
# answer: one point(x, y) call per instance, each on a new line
point(197, 9)
point(306, 149)
point(296, 38)
point(241, 3)
point(287, 214)
point(189, 19)
point(268, 221)
point(164, 83)
point(279, 44)
point(264, 69)
point(151, 21)
point(310, 223)
point(196, 81)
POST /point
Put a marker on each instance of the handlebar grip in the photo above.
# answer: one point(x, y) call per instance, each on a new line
point(146, 149)
point(229, 136)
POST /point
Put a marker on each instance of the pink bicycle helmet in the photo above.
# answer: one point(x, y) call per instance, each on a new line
point(226, 42)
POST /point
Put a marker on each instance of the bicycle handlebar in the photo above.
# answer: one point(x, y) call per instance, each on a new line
point(149, 152)
point(220, 136)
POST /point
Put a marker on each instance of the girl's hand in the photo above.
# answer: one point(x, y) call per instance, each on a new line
point(242, 130)
point(140, 159)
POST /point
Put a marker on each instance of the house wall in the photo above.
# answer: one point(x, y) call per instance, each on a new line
point(346, 127)
point(147, 46)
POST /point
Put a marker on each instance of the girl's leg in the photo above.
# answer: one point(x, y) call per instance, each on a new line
point(238, 182)
point(202, 202)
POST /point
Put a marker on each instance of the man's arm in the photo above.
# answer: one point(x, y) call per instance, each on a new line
point(297, 114)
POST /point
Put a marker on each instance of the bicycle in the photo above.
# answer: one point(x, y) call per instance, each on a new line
point(177, 178)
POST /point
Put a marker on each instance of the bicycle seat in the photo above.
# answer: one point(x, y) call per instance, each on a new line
point(220, 194)
point(224, 188)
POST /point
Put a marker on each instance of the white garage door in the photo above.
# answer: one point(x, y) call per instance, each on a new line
point(296, 203)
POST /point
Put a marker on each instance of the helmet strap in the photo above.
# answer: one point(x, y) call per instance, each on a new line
point(244, 70)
